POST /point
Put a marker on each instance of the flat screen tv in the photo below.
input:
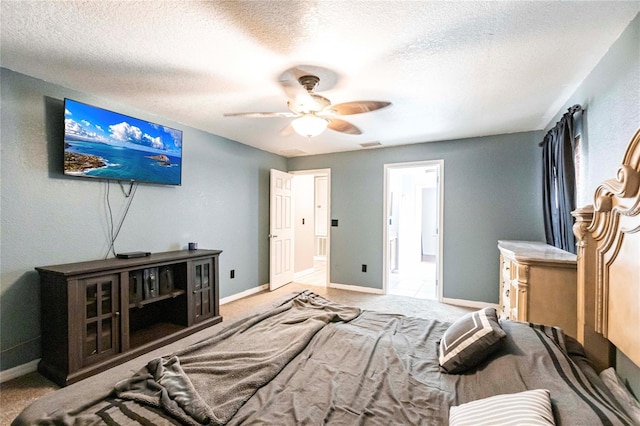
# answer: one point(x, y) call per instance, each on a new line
point(106, 145)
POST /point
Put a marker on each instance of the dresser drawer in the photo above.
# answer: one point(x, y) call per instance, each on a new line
point(538, 284)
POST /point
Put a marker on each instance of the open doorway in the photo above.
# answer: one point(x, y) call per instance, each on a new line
point(413, 220)
point(311, 190)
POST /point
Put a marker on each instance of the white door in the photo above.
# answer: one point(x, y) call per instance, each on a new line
point(281, 233)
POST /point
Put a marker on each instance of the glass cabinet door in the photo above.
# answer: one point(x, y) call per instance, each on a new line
point(202, 304)
point(101, 318)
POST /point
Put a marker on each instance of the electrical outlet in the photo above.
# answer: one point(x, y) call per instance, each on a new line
point(233, 273)
point(364, 268)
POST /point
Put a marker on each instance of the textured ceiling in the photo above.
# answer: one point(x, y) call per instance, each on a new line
point(451, 69)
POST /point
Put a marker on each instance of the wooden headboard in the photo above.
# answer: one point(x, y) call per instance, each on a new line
point(608, 238)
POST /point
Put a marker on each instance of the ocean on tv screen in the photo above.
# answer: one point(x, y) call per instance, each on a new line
point(100, 160)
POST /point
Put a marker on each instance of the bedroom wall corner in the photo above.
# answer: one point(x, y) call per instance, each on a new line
point(48, 218)
point(611, 96)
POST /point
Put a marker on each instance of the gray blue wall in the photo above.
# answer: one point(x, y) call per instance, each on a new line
point(611, 96)
point(491, 192)
point(48, 218)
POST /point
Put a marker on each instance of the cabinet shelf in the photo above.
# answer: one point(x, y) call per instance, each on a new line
point(153, 333)
point(112, 324)
point(94, 336)
point(142, 303)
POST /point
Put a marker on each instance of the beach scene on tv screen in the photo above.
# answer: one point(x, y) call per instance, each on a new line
point(104, 144)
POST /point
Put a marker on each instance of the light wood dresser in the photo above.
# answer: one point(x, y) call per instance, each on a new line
point(538, 283)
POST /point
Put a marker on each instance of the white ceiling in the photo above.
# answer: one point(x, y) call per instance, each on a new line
point(451, 69)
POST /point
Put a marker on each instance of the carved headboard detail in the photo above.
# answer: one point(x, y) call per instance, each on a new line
point(608, 238)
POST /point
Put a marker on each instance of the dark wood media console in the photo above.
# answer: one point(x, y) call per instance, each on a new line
point(100, 313)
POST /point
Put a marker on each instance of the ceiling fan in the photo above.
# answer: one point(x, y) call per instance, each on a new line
point(314, 113)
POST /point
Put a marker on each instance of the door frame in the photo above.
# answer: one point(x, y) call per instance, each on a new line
point(438, 165)
point(327, 173)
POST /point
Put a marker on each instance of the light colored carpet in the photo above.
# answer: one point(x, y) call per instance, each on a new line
point(16, 394)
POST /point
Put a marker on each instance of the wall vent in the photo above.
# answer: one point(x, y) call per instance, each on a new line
point(321, 246)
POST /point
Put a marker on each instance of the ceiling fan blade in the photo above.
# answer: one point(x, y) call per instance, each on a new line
point(358, 107)
point(262, 114)
point(344, 127)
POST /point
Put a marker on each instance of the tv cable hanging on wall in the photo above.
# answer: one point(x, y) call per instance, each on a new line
point(114, 232)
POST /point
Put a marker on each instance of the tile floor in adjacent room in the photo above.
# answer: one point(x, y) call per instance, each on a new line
point(417, 280)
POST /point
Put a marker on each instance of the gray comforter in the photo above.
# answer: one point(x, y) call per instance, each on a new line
point(208, 382)
point(310, 361)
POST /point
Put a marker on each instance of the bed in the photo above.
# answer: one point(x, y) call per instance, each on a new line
point(308, 360)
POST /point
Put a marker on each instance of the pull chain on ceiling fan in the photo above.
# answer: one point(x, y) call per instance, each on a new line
point(314, 113)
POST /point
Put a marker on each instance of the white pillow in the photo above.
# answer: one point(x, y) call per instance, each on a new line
point(532, 407)
point(621, 393)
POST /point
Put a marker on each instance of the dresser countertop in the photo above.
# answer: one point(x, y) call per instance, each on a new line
point(535, 251)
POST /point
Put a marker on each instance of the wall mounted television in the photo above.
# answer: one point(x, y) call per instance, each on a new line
point(107, 145)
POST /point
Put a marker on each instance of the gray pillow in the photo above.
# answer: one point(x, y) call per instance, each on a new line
point(469, 340)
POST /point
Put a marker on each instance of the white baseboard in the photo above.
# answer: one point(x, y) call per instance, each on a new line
point(356, 288)
point(244, 294)
point(303, 273)
point(469, 303)
point(18, 371)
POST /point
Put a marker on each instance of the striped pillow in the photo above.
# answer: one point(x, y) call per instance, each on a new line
point(469, 340)
point(532, 407)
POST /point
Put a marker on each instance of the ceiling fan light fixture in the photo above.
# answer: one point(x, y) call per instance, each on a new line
point(309, 125)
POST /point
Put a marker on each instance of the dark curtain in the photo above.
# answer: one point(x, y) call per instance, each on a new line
point(559, 182)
